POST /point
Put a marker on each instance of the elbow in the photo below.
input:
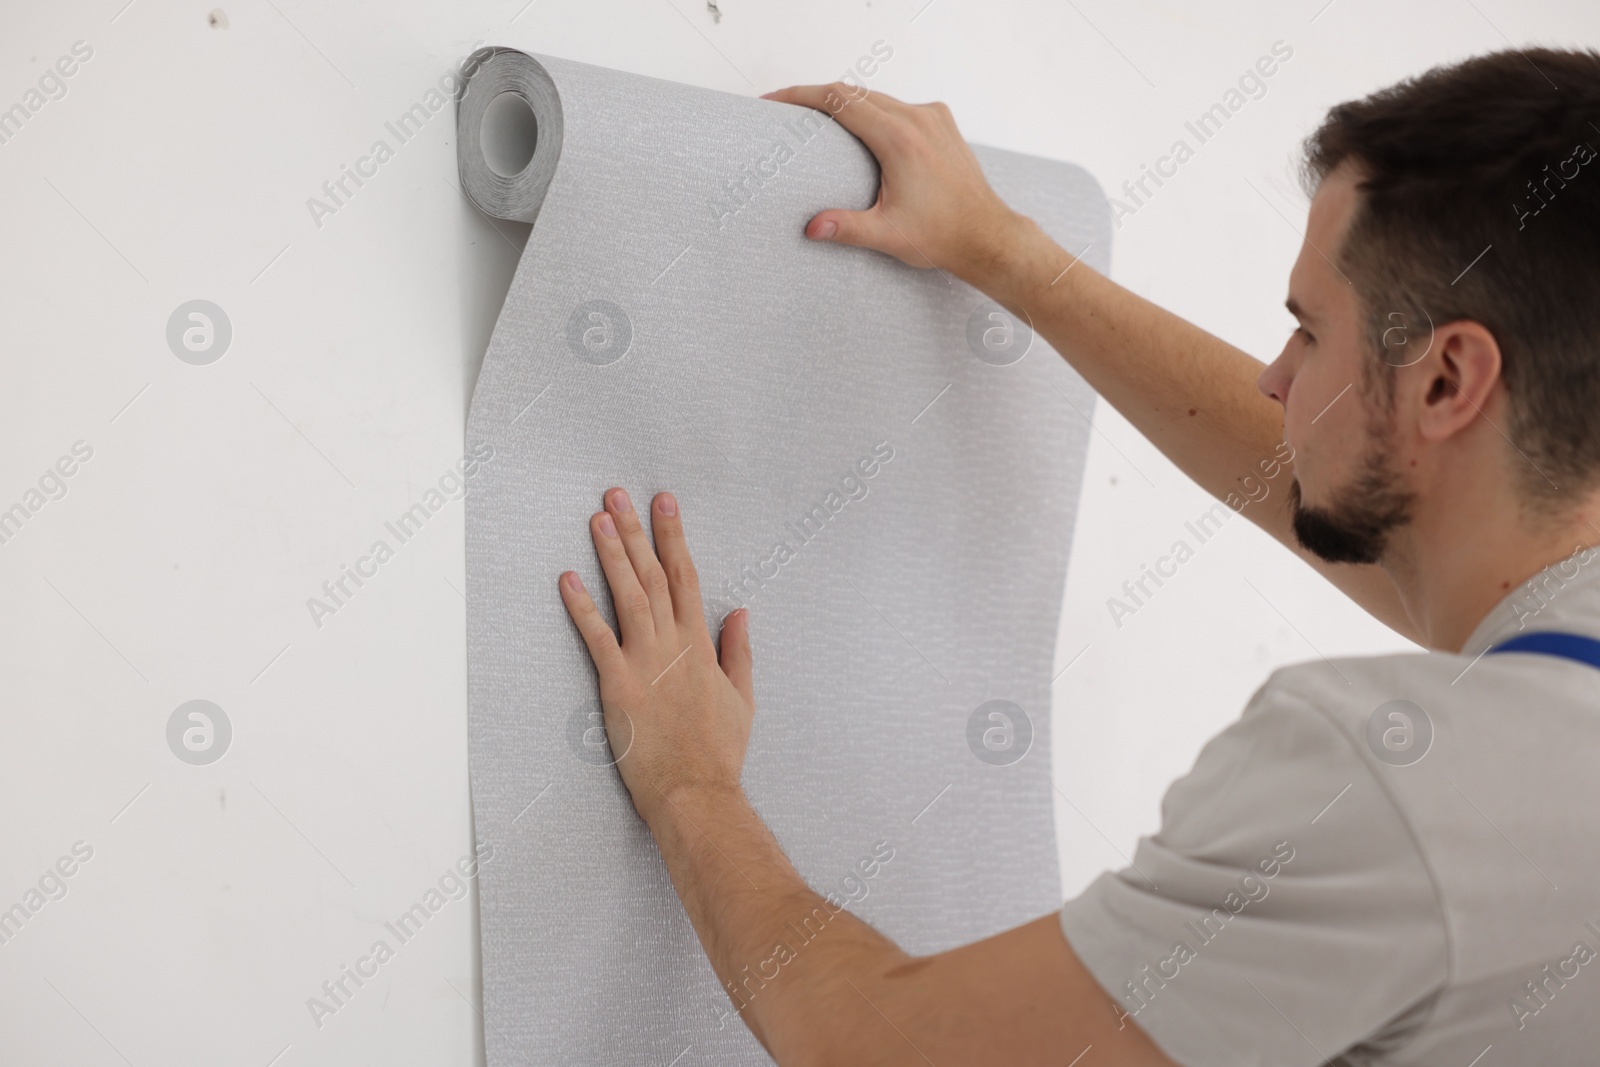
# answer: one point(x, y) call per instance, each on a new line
point(844, 1024)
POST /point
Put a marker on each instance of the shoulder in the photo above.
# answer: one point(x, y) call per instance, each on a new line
point(1346, 692)
point(1310, 733)
point(1283, 845)
point(1384, 708)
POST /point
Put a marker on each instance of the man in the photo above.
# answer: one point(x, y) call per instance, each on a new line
point(1384, 861)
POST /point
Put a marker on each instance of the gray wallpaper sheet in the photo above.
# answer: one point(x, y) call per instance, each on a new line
point(882, 465)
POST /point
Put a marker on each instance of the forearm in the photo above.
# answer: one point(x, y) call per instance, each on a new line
point(819, 986)
point(786, 956)
point(1189, 392)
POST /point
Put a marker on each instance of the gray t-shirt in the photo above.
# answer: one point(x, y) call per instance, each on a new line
point(1391, 860)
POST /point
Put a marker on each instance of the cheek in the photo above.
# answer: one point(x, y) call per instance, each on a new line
point(1325, 391)
point(1336, 447)
point(1313, 424)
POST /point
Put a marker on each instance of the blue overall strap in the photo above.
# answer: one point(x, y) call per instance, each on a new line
point(1575, 647)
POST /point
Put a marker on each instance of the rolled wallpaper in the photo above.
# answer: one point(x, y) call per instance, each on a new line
point(880, 463)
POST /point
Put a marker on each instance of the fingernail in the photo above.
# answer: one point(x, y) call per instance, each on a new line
point(574, 583)
point(607, 527)
point(620, 501)
point(827, 229)
point(668, 505)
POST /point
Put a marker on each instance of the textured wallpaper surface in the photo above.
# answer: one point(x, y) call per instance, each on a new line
point(881, 464)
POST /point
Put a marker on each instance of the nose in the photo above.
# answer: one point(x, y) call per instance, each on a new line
point(1274, 380)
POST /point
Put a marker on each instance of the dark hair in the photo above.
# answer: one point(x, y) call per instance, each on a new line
point(1494, 152)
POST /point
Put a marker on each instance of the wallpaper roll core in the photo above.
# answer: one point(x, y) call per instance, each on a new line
point(880, 463)
point(508, 88)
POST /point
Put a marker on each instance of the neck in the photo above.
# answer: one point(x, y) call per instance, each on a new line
point(1452, 569)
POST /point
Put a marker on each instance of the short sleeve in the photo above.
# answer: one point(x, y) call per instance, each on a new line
point(1282, 915)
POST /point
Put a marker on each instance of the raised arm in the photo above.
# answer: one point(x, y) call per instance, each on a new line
point(1191, 393)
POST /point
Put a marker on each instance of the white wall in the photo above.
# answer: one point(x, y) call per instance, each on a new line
point(177, 166)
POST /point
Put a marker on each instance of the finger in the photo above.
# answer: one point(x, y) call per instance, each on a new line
point(735, 653)
point(597, 636)
point(887, 127)
point(682, 578)
point(643, 555)
point(833, 96)
point(863, 229)
point(634, 618)
point(876, 118)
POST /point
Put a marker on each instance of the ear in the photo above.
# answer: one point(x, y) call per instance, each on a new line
point(1463, 379)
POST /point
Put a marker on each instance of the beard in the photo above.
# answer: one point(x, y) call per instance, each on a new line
point(1355, 526)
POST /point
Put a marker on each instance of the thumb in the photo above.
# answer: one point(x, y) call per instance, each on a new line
point(735, 652)
point(862, 229)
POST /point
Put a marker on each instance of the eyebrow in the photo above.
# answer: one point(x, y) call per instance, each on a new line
point(1299, 312)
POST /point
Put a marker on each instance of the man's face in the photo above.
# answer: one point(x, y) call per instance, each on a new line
point(1348, 494)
